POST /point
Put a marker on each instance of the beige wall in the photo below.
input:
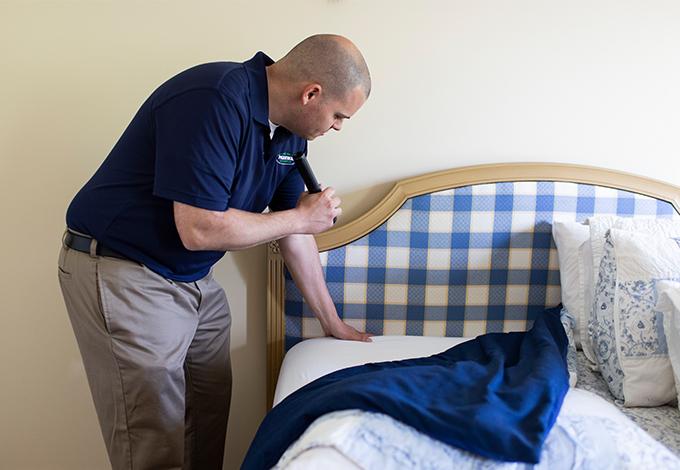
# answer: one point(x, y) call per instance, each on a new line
point(455, 83)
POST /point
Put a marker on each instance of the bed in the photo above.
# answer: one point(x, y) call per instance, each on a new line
point(443, 258)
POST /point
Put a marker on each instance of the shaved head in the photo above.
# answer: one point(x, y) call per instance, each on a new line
point(319, 84)
point(330, 60)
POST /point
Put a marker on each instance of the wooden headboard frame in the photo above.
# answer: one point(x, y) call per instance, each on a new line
point(429, 183)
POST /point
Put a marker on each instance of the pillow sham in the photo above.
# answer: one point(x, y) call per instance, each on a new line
point(668, 302)
point(586, 274)
point(625, 327)
point(569, 236)
point(594, 249)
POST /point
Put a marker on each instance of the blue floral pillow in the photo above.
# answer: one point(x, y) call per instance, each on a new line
point(601, 324)
point(625, 326)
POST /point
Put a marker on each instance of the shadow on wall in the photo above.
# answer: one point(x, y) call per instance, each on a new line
point(360, 201)
point(242, 274)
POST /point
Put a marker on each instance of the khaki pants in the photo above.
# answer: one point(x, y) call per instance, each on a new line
point(156, 354)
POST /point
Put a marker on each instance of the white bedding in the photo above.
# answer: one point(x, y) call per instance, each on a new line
point(589, 433)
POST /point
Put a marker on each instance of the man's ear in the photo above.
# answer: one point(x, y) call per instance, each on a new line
point(311, 92)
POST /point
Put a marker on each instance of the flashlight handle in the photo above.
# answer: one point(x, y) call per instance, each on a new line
point(307, 174)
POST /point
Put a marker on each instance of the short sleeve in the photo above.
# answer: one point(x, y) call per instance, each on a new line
point(197, 141)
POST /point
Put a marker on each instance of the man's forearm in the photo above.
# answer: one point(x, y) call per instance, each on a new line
point(235, 229)
point(301, 256)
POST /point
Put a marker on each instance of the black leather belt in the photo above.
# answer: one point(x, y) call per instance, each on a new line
point(82, 243)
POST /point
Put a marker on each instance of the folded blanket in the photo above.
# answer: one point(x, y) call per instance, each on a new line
point(497, 395)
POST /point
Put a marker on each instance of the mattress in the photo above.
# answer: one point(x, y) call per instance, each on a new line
point(314, 358)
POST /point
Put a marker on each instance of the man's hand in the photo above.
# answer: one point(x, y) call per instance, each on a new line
point(318, 210)
point(341, 330)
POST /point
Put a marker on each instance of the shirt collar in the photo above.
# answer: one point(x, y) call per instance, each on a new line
point(259, 93)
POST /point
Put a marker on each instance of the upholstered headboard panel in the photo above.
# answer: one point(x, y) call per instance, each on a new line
point(457, 253)
point(460, 262)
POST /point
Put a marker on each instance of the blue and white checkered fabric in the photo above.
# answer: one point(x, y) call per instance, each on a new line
point(460, 262)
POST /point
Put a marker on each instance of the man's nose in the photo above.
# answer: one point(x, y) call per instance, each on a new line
point(337, 125)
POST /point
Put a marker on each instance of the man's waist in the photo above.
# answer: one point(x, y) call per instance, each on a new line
point(170, 261)
point(82, 242)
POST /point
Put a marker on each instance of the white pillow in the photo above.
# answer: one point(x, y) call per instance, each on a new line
point(668, 303)
point(599, 226)
point(568, 237)
point(626, 329)
point(585, 266)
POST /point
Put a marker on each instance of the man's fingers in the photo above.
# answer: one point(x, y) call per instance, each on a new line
point(361, 336)
point(348, 332)
point(364, 337)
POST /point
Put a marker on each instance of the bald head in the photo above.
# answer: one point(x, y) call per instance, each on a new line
point(330, 60)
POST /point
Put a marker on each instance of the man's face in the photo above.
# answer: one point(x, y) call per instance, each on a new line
point(321, 113)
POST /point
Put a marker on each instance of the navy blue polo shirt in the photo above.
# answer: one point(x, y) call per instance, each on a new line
point(203, 139)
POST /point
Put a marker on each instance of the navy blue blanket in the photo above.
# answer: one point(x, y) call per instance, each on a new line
point(497, 395)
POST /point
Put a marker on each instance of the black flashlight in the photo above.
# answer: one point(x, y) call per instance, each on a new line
point(307, 174)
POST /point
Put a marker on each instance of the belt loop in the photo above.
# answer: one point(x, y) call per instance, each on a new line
point(93, 248)
point(63, 239)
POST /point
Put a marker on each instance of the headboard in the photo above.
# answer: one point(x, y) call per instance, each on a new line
point(455, 253)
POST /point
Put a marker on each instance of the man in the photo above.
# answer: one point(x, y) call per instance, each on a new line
point(189, 179)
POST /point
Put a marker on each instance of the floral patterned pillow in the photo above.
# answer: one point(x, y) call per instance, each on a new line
point(669, 303)
point(594, 250)
point(625, 326)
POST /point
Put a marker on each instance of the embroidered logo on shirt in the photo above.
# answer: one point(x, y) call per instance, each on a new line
point(285, 158)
